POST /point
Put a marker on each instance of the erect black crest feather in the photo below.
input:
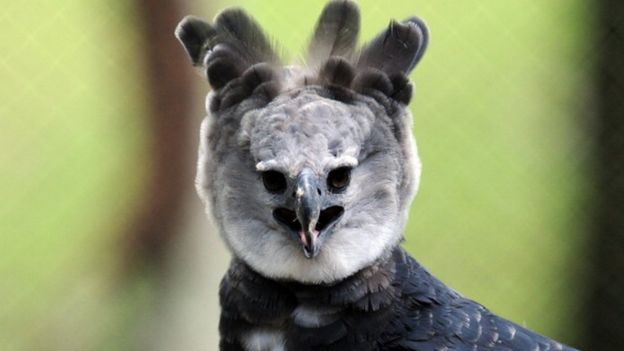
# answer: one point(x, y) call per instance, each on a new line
point(373, 79)
point(398, 49)
point(258, 80)
point(235, 43)
point(195, 35)
point(336, 32)
point(401, 88)
point(241, 34)
point(383, 65)
point(336, 71)
point(226, 49)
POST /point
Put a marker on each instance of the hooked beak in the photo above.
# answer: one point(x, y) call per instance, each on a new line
point(308, 220)
point(308, 210)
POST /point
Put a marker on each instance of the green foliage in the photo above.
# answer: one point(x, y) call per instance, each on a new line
point(71, 166)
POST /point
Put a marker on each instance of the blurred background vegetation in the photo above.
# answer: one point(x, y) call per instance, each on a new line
point(103, 245)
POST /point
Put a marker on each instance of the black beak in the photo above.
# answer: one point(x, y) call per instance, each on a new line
point(309, 219)
point(308, 210)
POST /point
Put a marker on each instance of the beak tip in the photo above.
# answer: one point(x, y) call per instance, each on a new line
point(310, 252)
point(310, 243)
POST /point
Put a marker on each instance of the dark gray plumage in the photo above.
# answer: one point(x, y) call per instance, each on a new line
point(398, 49)
point(394, 304)
point(309, 173)
point(336, 32)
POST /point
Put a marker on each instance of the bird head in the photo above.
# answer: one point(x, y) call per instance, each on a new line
point(308, 170)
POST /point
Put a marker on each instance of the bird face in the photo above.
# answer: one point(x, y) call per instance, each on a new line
point(315, 188)
point(306, 164)
point(307, 170)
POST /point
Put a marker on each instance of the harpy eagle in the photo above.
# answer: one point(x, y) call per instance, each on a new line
point(308, 171)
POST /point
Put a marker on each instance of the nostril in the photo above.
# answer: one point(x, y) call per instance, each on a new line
point(318, 190)
point(329, 216)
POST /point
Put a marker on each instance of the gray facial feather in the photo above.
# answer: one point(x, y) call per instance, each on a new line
point(315, 124)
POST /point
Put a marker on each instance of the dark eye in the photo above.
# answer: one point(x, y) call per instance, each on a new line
point(339, 178)
point(274, 181)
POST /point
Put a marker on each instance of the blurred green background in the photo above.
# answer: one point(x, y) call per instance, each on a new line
point(500, 216)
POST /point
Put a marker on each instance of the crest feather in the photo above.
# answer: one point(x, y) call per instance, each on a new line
point(336, 32)
point(397, 49)
point(226, 49)
point(242, 35)
point(195, 35)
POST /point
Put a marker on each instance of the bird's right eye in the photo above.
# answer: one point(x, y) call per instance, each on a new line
point(274, 181)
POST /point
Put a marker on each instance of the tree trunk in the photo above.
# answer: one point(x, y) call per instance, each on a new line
point(169, 95)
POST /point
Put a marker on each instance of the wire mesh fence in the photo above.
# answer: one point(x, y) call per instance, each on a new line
point(517, 115)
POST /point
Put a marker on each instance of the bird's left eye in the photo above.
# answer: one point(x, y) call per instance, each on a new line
point(339, 178)
point(274, 181)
